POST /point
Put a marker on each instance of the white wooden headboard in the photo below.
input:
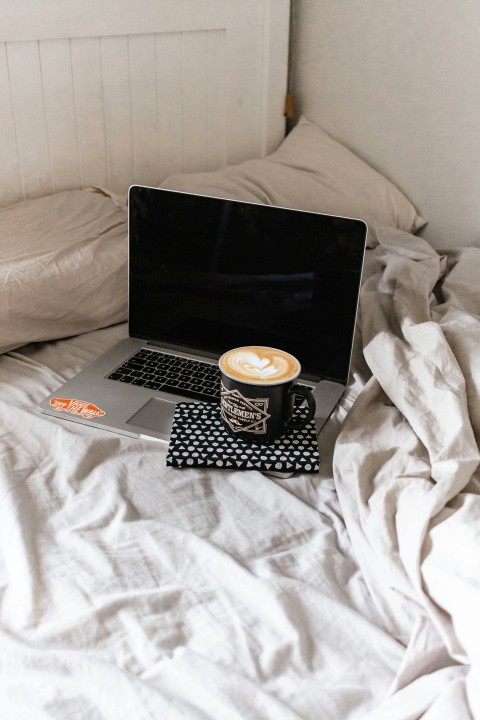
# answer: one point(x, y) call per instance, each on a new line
point(399, 84)
point(115, 92)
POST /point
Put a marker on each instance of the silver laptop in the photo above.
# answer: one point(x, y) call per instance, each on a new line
point(207, 274)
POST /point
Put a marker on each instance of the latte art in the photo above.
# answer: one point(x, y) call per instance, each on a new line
point(259, 365)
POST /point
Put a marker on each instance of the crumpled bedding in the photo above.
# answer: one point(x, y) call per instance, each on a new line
point(133, 590)
point(406, 470)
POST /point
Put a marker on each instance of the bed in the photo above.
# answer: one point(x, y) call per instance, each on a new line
point(130, 589)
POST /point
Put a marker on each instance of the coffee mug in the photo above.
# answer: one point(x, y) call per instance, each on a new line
point(257, 394)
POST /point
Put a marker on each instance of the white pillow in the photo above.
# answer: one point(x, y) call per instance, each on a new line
point(310, 171)
point(63, 267)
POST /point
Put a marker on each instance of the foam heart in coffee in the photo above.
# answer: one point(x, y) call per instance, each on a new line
point(259, 364)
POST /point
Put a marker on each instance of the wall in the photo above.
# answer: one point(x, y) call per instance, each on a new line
point(398, 83)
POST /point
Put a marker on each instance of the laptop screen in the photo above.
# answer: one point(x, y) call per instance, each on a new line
point(209, 274)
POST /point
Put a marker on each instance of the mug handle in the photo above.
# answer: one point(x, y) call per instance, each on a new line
point(306, 393)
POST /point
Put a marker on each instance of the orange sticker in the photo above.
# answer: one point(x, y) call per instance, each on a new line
point(76, 407)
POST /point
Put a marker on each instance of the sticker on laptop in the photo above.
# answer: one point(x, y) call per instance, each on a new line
point(77, 407)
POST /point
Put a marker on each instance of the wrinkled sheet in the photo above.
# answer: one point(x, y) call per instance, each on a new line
point(129, 590)
point(133, 591)
point(406, 470)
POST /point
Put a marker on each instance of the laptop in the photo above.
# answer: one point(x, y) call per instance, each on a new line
point(207, 274)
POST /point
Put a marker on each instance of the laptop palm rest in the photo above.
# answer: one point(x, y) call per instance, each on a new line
point(157, 415)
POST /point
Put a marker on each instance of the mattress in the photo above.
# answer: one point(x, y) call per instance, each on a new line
point(133, 589)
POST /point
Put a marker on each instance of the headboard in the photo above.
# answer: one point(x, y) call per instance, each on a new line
point(398, 83)
point(116, 92)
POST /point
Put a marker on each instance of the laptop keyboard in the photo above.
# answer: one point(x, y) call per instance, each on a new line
point(172, 374)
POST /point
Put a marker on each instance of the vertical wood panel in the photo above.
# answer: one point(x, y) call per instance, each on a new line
point(29, 112)
point(275, 45)
point(9, 158)
point(55, 61)
point(215, 89)
point(118, 120)
point(89, 110)
point(194, 100)
point(168, 48)
point(244, 74)
point(113, 97)
point(143, 84)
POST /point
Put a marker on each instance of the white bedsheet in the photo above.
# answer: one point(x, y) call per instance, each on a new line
point(129, 590)
point(406, 467)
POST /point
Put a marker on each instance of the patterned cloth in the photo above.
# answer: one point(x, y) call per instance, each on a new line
point(199, 439)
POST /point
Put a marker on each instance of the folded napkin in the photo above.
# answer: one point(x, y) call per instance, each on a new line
point(199, 439)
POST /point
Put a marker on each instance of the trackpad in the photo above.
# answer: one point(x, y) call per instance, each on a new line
point(156, 415)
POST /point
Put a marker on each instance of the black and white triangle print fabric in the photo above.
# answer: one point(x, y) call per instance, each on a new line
point(199, 439)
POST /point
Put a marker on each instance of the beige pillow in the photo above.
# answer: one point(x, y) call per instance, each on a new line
point(310, 171)
point(63, 267)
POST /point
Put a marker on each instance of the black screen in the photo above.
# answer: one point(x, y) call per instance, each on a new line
point(213, 274)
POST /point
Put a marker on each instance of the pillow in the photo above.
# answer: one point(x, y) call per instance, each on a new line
point(310, 171)
point(63, 267)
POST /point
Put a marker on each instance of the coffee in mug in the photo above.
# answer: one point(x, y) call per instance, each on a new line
point(258, 389)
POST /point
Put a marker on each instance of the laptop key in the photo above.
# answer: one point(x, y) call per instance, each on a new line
point(132, 365)
point(155, 370)
point(152, 385)
point(188, 392)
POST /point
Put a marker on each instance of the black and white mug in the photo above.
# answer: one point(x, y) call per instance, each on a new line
point(258, 389)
